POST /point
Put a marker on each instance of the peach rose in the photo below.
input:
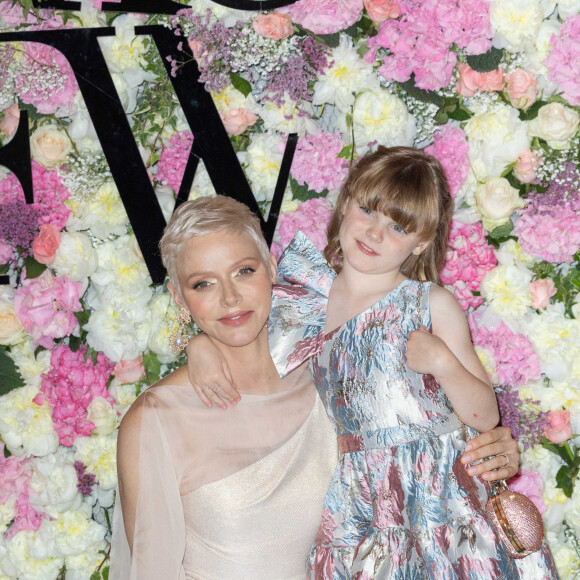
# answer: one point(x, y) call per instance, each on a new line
point(46, 244)
point(11, 330)
point(471, 81)
point(522, 89)
point(559, 429)
point(10, 121)
point(381, 10)
point(50, 146)
point(525, 169)
point(541, 291)
point(236, 121)
point(273, 25)
point(129, 371)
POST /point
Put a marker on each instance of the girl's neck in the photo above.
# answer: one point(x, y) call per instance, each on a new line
point(356, 285)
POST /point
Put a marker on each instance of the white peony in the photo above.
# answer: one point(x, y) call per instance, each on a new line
point(25, 426)
point(75, 258)
point(124, 396)
point(515, 23)
point(163, 321)
point(53, 485)
point(289, 117)
point(125, 51)
point(30, 365)
point(82, 566)
point(103, 415)
point(264, 158)
point(346, 77)
point(99, 454)
point(227, 16)
point(7, 514)
point(496, 138)
point(568, 8)
point(76, 531)
point(556, 124)
point(510, 253)
point(506, 289)
point(202, 185)
point(496, 200)
point(379, 118)
point(166, 198)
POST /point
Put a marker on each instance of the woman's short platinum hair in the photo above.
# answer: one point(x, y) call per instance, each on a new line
point(208, 215)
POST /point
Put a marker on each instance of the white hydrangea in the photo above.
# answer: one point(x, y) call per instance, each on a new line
point(287, 118)
point(496, 137)
point(379, 118)
point(515, 23)
point(264, 158)
point(75, 258)
point(26, 427)
point(163, 321)
point(99, 454)
point(348, 76)
point(75, 531)
point(506, 289)
point(53, 484)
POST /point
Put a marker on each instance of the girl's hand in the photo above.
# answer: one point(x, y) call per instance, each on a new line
point(209, 374)
point(496, 444)
point(426, 352)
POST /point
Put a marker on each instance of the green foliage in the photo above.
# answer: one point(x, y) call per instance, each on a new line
point(33, 268)
point(485, 62)
point(331, 40)
point(302, 193)
point(241, 84)
point(10, 377)
point(532, 112)
point(420, 94)
point(501, 234)
point(152, 366)
point(567, 285)
point(568, 473)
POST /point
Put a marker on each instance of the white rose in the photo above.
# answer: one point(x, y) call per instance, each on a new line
point(496, 200)
point(568, 8)
point(99, 454)
point(556, 124)
point(380, 117)
point(11, 330)
point(76, 531)
point(163, 321)
point(101, 413)
point(515, 23)
point(507, 290)
point(264, 158)
point(75, 258)
point(50, 146)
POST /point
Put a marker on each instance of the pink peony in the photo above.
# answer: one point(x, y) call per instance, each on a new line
point(471, 81)
point(541, 291)
point(173, 160)
point(450, 148)
point(559, 430)
point(49, 195)
point(10, 121)
point(46, 244)
point(274, 25)
point(530, 484)
point(381, 10)
point(236, 121)
point(70, 386)
point(564, 58)
point(469, 257)
point(316, 162)
point(129, 371)
point(312, 217)
point(527, 163)
point(325, 16)
point(515, 358)
point(46, 307)
point(522, 89)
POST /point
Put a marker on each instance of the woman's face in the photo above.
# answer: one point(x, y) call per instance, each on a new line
point(226, 286)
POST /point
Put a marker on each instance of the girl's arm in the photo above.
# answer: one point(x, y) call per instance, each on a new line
point(448, 354)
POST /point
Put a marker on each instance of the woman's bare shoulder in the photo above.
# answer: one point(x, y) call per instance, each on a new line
point(178, 378)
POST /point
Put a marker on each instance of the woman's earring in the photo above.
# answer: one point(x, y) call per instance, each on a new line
point(179, 339)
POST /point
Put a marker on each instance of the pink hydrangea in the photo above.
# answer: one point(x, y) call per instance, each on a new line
point(13, 14)
point(515, 358)
point(70, 386)
point(10, 189)
point(312, 217)
point(530, 484)
point(450, 148)
point(49, 195)
point(173, 160)
point(469, 257)
point(46, 305)
point(325, 16)
point(316, 164)
point(562, 62)
point(46, 79)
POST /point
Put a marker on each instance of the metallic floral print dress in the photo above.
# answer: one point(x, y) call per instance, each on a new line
point(400, 505)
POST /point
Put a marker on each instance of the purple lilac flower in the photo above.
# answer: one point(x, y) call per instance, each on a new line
point(19, 224)
point(86, 481)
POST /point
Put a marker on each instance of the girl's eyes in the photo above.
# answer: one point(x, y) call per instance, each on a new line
point(399, 229)
point(366, 210)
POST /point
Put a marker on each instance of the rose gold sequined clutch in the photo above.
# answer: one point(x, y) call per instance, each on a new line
point(516, 519)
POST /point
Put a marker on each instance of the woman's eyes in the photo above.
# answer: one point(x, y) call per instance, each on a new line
point(246, 270)
point(201, 285)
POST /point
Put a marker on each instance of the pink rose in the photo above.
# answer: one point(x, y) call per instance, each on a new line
point(522, 89)
point(541, 291)
point(129, 371)
point(236, 121)
point(10, 121)
point(46, 244)
point(274, 25)
point(471, 81)
point(559, 429)
point(196, 47)
point(381, 10)
point(530, 484)
point(6, 253)
point(525, 169)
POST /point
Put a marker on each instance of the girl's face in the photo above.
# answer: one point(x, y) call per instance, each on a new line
point(372, 243)
point(226, 286)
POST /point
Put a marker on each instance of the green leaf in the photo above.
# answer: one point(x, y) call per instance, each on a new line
point(95, 576)
point(502, 231)
point(420, 94)
point(33, 268)
point(345, 152)
point(564, 481)
point(74, 342)
point(6, 452)
point(106, 573)
point(532, 112)
point(152, 367)
point(10, 377)
point(460, 114)
point(303, 193)
point(485, 62)
point(332, 40)
point(241, 84)
point(4, 268)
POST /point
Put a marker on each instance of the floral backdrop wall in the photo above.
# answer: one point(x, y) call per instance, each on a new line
point(492, 89)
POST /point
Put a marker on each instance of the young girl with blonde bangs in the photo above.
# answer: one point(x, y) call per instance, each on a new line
point(393, 363)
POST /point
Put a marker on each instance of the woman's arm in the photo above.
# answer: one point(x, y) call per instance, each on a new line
point(448, 354)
